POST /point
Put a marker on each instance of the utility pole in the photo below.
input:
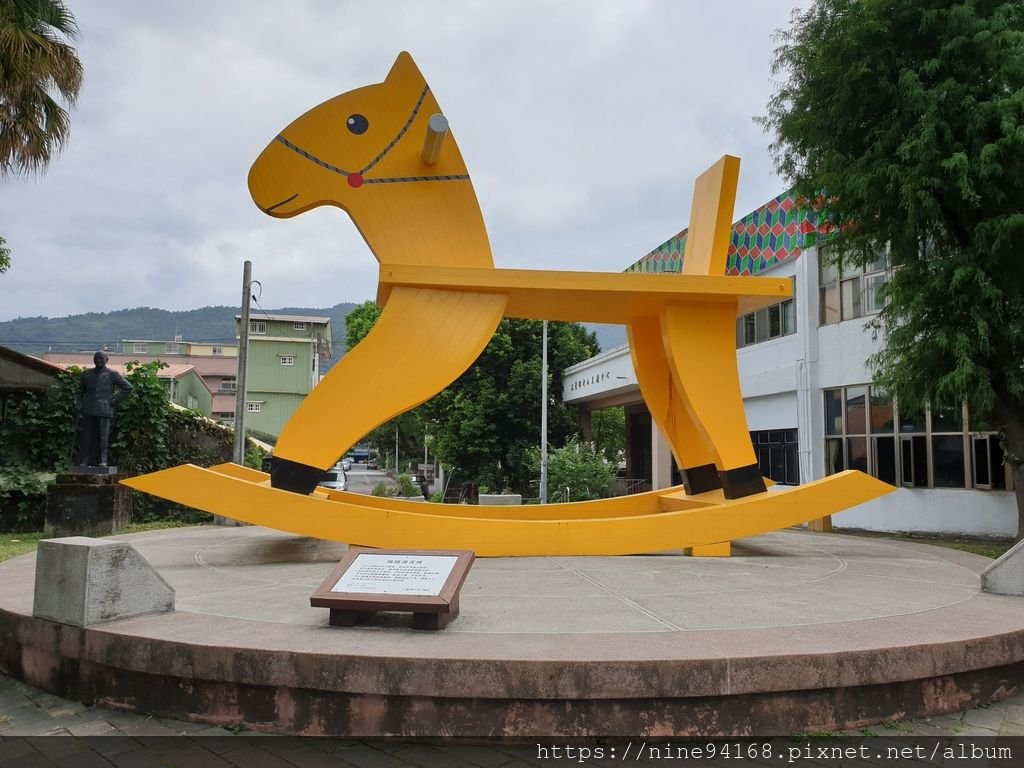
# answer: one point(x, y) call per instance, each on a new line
point(243, 355)
point(544, 416)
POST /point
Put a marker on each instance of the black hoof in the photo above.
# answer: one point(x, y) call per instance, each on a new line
point(292, 476)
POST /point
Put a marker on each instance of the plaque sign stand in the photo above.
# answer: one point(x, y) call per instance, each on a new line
point(425, 582)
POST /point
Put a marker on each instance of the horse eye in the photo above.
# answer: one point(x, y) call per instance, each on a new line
point(357, 124)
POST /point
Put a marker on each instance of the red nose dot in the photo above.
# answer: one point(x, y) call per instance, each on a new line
point(355, 180)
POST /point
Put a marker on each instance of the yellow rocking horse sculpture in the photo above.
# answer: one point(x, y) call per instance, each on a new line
point(383, 153)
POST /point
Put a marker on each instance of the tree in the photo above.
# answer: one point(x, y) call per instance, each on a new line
point(5, 256)
point(904, 119)
point(358, 323)
point(486, 422)
point(38, 70)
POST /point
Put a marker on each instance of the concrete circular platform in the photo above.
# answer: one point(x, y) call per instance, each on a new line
point(796, 632)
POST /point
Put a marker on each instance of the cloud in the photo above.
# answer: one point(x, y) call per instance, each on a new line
point(584, 125)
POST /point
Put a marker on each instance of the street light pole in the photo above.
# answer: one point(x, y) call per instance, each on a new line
point(544, 416)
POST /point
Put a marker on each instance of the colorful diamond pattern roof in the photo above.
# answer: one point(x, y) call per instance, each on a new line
point(777, 231)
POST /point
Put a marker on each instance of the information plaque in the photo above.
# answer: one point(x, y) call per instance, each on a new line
point(423, 582)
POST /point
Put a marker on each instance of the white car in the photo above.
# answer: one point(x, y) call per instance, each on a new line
point(334, 479)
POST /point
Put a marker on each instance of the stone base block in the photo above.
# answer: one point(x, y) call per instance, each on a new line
point(1006, 575)
point(87, 504)
point(82, 581)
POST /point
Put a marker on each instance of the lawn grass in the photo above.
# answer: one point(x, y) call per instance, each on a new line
point(15, 544)
point(990, 547)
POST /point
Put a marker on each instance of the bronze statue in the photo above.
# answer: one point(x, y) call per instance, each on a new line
point(100, 391)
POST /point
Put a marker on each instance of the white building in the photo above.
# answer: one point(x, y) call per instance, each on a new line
point(810, 405)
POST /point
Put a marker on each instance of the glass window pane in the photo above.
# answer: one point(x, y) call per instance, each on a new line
point(885, 459)
point(774, 321)
point(982, 465)
point(948, 461)
point(857, 453)
point(998, 468)
point(911, 422)
point(907, 460)
point(851, 298)
point(761, 323)
point(764, 464)
point(872, 300)
point(881, 412)
point(749, 334)
point(788, 317)
point(792, 466)
point(856, 410)
point(778, 464)
point(833, 412)
point(828, 304)
point(827, 272)
point(947, 420)
point(878, 264)
point(833, 455)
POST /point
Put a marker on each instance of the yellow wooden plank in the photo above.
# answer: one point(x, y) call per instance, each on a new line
point(605, 297)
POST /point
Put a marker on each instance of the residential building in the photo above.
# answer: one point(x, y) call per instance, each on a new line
point(284, 362)
point(811, 406)
point(21, 374)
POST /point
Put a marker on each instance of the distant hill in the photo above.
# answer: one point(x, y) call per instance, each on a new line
point(96, 330)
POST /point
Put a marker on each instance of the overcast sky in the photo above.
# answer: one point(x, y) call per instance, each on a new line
point(583, 123)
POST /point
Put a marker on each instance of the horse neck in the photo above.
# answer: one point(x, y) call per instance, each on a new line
point(431, 223)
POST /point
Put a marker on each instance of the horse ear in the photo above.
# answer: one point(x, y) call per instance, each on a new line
point(405, 70)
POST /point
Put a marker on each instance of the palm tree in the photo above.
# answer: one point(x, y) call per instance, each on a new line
point(37, 67)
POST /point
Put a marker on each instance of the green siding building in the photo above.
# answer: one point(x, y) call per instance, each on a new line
point(285, 354)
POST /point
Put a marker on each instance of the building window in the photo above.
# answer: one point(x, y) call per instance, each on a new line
point(865, 430)
point(851, 292)
point(229, 384)
point(192, 403)
point(258, 327)
point(253, 406)
point(287, 359)
point(777, 456)
point(217, 351)
point(171, 348)
point(767, 323)
point(140, 348)
point(298, 326)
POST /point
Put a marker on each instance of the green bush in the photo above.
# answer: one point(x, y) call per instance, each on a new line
point(23, 499)
point(581, 468)
point(147, 434)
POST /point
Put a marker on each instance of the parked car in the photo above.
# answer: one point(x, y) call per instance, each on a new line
point(371, 463)
point(346, 463)
point(334, 479)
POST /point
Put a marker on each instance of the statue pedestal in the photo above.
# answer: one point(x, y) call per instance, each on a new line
point(87, 501)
